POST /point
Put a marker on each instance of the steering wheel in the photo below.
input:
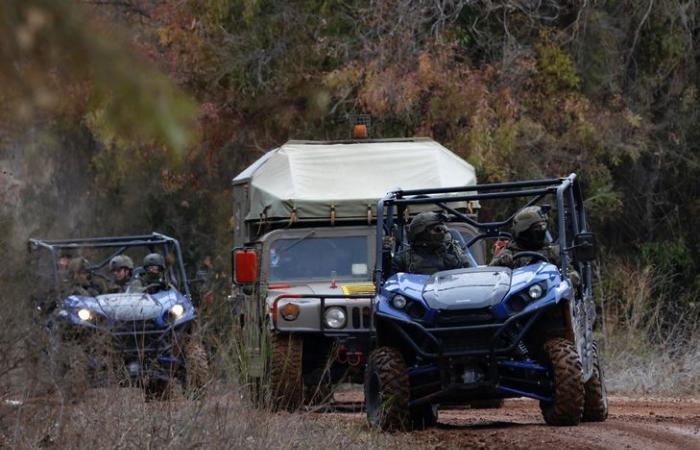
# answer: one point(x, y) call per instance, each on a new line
point(155, 287)
point(535, 256)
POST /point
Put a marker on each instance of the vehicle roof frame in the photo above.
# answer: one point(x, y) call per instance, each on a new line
point(119, 242)
point(566, 190)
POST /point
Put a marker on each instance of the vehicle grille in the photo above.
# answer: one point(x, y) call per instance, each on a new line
point(360, 317)
point(465, 342)
point(464, 317)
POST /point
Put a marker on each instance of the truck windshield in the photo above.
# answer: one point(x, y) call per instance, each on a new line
point(318, 258)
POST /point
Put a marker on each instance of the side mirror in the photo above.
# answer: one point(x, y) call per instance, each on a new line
point(245, 266)
point(585, 247)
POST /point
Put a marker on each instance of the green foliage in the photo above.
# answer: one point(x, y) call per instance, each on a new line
point(671, 258)
point(556, 68)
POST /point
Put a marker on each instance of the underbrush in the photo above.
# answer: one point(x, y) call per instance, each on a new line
point(649, 330)
point(119, 418)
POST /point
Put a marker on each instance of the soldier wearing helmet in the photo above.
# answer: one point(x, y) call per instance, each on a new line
point(153, 278)
point(80, 279)
point(121, 267)
point(529, 234)
point(431, 250)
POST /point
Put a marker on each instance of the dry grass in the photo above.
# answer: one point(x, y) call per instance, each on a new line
point(119, 418)
point(651, 339)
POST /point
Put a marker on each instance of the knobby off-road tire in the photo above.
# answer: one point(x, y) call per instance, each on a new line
point(196, 366)
point(595, 408)
point(285, 372)
point(567, 407)
point(490, 403)
point(387, 390)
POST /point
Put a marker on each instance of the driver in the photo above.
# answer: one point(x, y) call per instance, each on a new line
point(121, 267)
point(529, 234)
point(153, 278)
point(432, 248)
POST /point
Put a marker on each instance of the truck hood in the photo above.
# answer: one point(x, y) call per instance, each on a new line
point(129, 306)
point(471, 288)
point(324, 288)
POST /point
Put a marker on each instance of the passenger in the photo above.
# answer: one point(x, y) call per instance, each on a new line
point(529, 234)
point(153, 278)
point(431, 250)
point(121, 267)
point(81, 281)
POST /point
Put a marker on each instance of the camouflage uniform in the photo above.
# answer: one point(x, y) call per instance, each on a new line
point(120, 262)
point(505, 256)
point(80, 280)
point(155, 280)
point(430, 251)
point(529, 232)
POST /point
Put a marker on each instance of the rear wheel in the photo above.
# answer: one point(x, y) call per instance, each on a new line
point(285, 372)
point(566, 407)
point(595, 408)
point(387, 390)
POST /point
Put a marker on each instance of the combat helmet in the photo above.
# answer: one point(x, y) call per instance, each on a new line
point(120, 261)
point(154, 259)
point(78, 264)
point(423, 221)
point(527, 217)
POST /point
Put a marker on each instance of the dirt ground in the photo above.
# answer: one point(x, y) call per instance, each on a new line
point(633, 423)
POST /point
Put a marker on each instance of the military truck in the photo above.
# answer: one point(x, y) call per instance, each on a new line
point(303, 256)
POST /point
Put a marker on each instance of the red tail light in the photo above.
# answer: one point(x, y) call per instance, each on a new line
point(245, 266)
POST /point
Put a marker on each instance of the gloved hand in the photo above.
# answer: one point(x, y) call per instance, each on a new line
point(504, 258)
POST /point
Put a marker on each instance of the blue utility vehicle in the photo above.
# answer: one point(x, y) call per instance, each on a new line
point(145, 336)
point(479, 334)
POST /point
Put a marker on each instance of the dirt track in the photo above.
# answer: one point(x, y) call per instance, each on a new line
point(633, 423)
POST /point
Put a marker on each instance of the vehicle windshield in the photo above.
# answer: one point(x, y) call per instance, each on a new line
point(318, 258)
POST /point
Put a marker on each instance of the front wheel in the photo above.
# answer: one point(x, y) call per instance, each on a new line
point(285, 372)
point(595, 408)
point(566, 407)
point(387, 390)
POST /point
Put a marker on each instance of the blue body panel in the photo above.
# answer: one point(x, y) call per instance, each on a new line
point(411, 286)
point(165, 299)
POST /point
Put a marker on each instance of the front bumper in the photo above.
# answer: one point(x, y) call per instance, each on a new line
point(491, 339)
point(135, 349)
point(471, 362)
point(358, 310)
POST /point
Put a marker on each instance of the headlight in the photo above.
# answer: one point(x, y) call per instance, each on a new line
point(334, 317)
point(535, 291)
point(84, 314)
point(290, 311)
point(398, 301)
point(176, 311)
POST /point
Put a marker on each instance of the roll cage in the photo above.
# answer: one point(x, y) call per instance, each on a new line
point(154, 242)
point(571, 216)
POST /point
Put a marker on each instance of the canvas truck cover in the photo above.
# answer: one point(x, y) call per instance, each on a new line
point(309, 180)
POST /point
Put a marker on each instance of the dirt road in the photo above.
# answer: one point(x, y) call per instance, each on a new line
point(634, 423)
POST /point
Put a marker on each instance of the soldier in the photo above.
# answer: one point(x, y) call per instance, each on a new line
point(432, 248)
point(530, 234)
point(121, 267)
point(80, 279)
point(153, 278)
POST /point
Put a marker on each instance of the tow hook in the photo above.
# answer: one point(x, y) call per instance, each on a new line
point(346, 357)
